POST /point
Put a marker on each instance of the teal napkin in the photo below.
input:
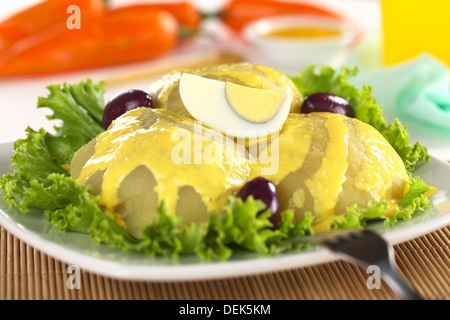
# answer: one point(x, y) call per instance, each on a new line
point(417, 90)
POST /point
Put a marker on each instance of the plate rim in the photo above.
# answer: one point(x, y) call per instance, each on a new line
point(196, 271)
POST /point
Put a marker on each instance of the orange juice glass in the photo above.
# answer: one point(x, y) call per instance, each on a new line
point(412, 27)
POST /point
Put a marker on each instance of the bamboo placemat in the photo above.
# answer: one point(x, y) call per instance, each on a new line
point(28, 274)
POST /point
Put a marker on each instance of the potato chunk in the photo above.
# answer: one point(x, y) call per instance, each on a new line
point(320, 163)
point(81, 157)
point(147, 156)
point(328, 162)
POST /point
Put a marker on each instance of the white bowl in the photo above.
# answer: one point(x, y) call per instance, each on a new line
point(291, 55)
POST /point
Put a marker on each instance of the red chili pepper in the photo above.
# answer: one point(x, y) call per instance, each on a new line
point(44, 15)
point(187, 15)
point(237, 13)
point(120, 36)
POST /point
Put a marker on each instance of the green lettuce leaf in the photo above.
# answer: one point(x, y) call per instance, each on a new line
point(414, 202)
point(79, 109)
point(240, 226)
point(40, 179)
point(327, 79)
point(42, 154)
point(32, 161)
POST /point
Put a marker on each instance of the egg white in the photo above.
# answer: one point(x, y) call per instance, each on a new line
point(205, 99)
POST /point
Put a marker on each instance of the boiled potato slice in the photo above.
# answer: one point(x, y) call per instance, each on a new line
point(81, 157)
point(190, 205)
point(137, 195)
point(327, 162)
point(320, 162)
point(147, 156)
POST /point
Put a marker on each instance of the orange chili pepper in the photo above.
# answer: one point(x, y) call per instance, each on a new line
point(120, 36)
point(237, 13)
point(42, 16)
point(187, 15)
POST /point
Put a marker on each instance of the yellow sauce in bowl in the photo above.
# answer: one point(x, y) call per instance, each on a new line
point(297, 32)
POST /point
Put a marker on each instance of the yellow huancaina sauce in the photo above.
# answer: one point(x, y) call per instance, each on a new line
point(127, 144)
point(302, 32)
point(328, 136)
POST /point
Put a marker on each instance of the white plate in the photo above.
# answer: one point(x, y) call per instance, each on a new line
point(77, 249)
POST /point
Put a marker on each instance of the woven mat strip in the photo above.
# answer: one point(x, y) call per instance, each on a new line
point(26, 274)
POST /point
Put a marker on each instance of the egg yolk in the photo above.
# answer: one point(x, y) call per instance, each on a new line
point(251, 104)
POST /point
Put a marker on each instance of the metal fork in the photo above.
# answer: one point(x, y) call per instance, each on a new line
point(367, 248)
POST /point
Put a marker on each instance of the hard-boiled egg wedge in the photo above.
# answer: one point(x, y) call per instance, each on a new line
point(233, 109)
